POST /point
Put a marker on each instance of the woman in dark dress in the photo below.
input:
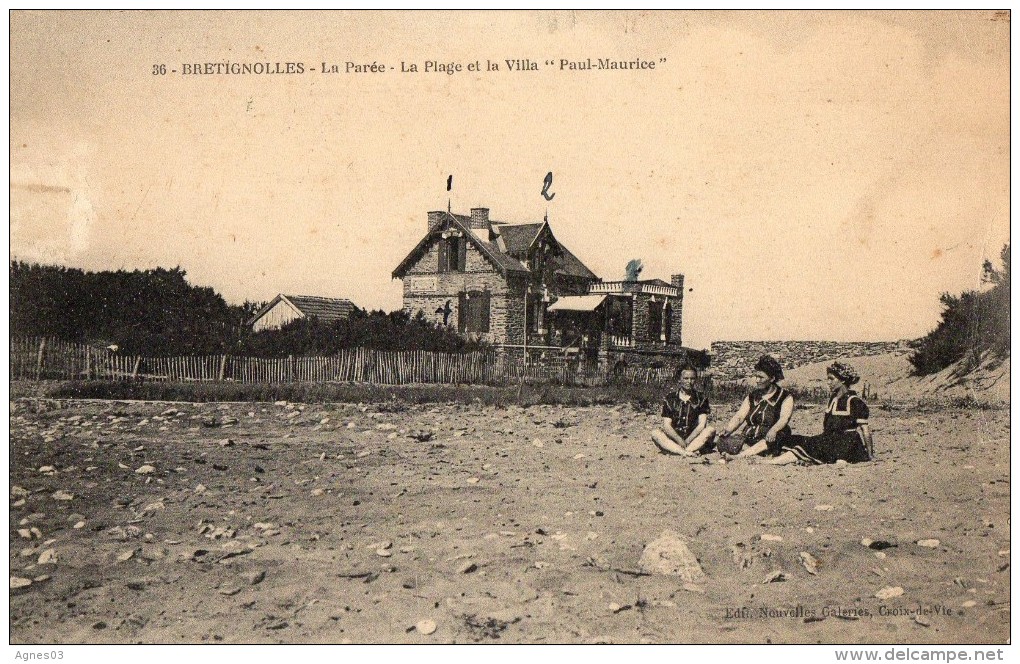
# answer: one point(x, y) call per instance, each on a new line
point(762, 423)
point(845, 436)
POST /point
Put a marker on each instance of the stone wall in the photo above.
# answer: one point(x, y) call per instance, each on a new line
point(733, 360)
point(427, 290)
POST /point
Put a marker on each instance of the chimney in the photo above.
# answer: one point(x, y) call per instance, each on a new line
point(434, 219)
point(677, 281)
point(480, 221)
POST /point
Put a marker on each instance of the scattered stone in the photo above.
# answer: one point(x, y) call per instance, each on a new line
point(823, 508)
point(740, 557)
point(125, 555)
point(154, 507)
point(48, 557)
point(227, 442)
point(425, 627)
point(878, 545)
point(775, 577)
point(929, 543)
point(25, 532)
point(230, 590)
point(617, 608)
point(20, 582)
point(145, 470)
point(472, 480)
point(810, 562)
point(766, 537)
point(921, 620)
point(41, 578)
point(384, 553)
point(670, 556)
point(254, 578)
point(60, 494)
point(538, 443)
point(48, 470)
point(79, 525)
point(318, 492)
point(889, 592)
point(467, 568)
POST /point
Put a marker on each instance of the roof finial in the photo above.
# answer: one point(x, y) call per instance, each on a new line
point(449, 186)
point(547, 215)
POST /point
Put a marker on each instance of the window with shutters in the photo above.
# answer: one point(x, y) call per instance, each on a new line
point(667, 323)
point(473, 312)
point(452, 254)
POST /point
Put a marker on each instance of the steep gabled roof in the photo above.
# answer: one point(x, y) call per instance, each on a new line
point(518, 237)
point(504, 263)
point(512, 244)
point(573, 267)
point(326, 309)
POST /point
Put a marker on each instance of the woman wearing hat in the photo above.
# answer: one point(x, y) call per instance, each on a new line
point(764, 416)
point(846, 435)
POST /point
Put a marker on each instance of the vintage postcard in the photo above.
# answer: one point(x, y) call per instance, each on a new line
point(512, 327)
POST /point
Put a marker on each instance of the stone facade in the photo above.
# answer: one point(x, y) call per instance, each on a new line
point(427, 291)
point(733, 360)
point(524, 270)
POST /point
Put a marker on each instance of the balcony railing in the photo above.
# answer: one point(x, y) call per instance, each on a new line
point(632, 287)
point(620, 340)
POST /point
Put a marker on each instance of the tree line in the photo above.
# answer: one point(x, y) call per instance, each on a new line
point(157, 313)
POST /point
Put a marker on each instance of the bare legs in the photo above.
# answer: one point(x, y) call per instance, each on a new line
point(783, 459)
point(670, 446)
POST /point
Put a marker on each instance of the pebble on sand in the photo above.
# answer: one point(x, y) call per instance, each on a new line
point(929, 543)
point(669, 555)
point(425, 627)
point(145, 470)
point(810, 562)
point(20, 582)
point(889, 592)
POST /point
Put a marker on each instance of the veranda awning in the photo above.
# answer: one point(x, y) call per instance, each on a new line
point(577, 303)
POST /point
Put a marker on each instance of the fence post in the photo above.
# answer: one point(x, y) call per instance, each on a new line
point(88, 362)
point(39, 359)
point(134, 370)
point(290, 368)
point(223, 367)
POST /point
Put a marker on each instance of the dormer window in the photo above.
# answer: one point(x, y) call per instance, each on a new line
point(452, 251)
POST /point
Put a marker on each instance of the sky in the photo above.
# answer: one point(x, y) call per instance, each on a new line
point(814, 175)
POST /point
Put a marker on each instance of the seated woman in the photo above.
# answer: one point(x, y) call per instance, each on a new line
point(684, 418)
point(845, 435)
point(763, 420)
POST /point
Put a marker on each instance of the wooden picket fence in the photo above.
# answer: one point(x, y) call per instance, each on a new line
point(52, 359)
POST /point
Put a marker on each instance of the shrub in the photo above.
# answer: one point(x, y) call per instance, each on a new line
point(973, 324)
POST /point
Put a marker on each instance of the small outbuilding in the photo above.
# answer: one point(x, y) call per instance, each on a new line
point(283, 309)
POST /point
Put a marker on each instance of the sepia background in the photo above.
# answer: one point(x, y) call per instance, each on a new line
point(814, 175)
